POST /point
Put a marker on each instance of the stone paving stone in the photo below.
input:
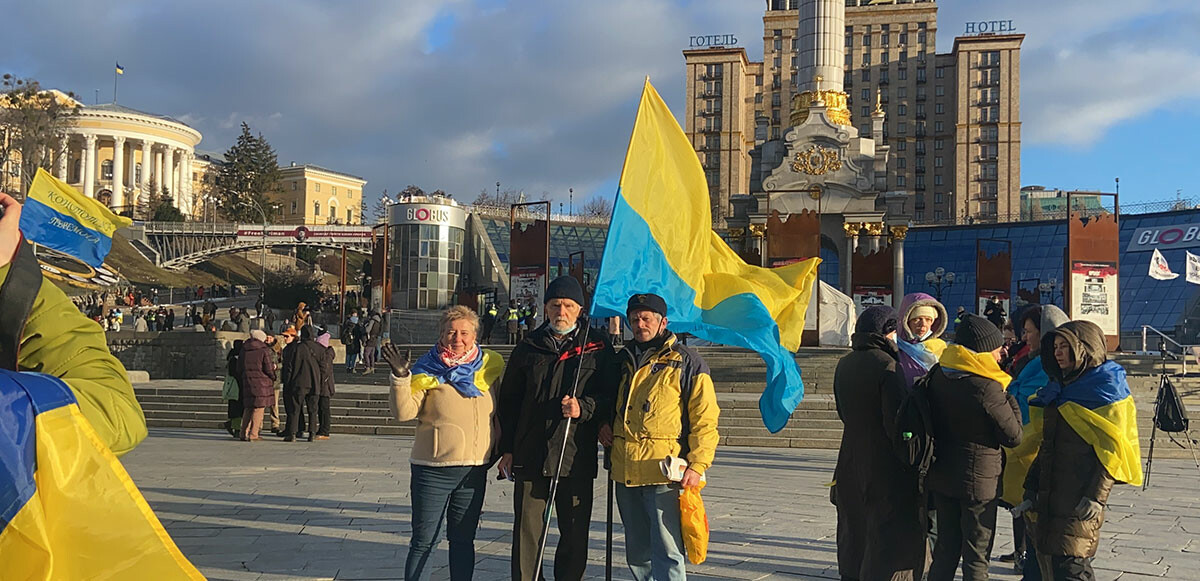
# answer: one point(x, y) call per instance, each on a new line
point(340, 510)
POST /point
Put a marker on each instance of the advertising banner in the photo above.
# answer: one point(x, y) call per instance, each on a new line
point(985, 297)
point(288, 234)
point(527, 285)
point(866, 296)
point(1094, 294)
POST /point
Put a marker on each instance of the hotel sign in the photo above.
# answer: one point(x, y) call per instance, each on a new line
point(990, 27)
point(1164, 238)
point(712, 40)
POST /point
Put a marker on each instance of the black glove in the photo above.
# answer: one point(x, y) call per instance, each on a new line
point(397, 361)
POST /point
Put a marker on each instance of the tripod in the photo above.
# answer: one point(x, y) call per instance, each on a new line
point(1165, 390)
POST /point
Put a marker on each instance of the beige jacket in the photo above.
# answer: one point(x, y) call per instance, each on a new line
point(452, 430)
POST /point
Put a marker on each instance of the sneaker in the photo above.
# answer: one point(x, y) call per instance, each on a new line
point(322, 437)
point(289, 439)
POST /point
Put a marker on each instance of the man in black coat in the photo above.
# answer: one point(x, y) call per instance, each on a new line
point(534, 403)
point(880, 508)
point(302, 375)
point(973, 416)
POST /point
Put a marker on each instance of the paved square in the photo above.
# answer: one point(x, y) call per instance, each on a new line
point(339, 510)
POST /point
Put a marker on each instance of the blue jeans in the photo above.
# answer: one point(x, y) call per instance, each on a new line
point(351, 359)
point(653, 532)
point(453, 492)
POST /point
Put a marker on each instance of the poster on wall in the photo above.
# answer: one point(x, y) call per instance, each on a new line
point(986, 296)
point(1094, 294)
point(527, 285)
point(866, 296)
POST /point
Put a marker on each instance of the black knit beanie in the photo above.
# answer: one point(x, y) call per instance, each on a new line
point(880, 319)
point(565, 287)
point(978, 334)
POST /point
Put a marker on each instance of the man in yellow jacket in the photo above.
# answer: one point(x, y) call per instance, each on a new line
point(666, 406)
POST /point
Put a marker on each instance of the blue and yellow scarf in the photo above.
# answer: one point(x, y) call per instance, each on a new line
point(471, 379)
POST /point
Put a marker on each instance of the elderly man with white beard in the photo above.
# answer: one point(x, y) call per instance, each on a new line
point(539, 393)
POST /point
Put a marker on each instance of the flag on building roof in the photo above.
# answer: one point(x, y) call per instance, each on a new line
point(661, 241)
point(120, 69)
point(59, 217)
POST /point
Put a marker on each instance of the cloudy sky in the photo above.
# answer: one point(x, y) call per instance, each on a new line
point(540, 96)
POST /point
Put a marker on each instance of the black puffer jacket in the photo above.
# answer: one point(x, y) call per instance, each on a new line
point(539, 373)
point(972, 418)
point(304, 370)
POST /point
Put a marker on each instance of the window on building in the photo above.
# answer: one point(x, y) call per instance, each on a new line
point(939, 91)
point(902, 128)
point(778, 32)
point(921, 74)
point(902, 74)
point(901, 162)
point(883, 75)
point(317, 186)
point(902, 109)
point(758, 99)
point(901, 181)
point(883, 57)
point(758, 80)
point(921, 37)
point(775, 99)
point(316, 208)
point(920, 110)
point(939, 198)
point(866, 74)
point(137, 173)
point(106, 169)
point(903, 38)
point(774, 133)
point(334, 190)
point(778, 43)
point(295, 185)
point(939, 108)
point(866, 95)
point(920, 160)
point(866, 39)
point(294, 205)
point(883, 94)
point(937, 180)
point(903, 56)
point(939, 161)
point(349, 215)
point(939, 73)
point(920, 181)
point(866, 60)
point(849, 40)
point(938, 215)
point(901, 145)
point(939, 126)
point(777, 61)
point(920, 215)
point(939, 144)
point(848, 62)
point(866, 111)
point(902, 92)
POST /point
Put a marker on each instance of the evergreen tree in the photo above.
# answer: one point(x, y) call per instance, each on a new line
point(381, 205)
point(162, 208)
point(248, 179)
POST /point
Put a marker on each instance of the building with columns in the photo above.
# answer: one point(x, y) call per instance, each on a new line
point(121, 156)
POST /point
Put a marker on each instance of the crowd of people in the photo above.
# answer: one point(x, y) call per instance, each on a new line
point(1013, 422)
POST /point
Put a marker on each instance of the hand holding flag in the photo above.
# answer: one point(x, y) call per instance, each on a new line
point(10, 232)
point(58, 217)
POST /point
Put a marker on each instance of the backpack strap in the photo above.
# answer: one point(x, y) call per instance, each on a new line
point(17, 294)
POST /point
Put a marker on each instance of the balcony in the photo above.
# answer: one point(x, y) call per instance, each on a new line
point(920, 169)
point(710, 113)
point(987, 196)
point(710, 92)
point(921, 97)
point(987, 83)
point(987, 102)
point(985, 178)
point(711, 76)
point(920, 115)
point(988, 157)
point(883, 81)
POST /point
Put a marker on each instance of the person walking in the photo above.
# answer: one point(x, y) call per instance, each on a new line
point(489, 322)
point(451, 392)
point(371, 333)
point(536, 398)
point(301, 375)
point(880, 508)
point(1089, 443)
point(352, 340)
point(257, 363)
point(659, 413)
point(972, 418)
point(923, 322)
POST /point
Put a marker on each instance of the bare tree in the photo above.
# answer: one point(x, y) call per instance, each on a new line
point(33, 126)
point(504, 198)
point(597, 207)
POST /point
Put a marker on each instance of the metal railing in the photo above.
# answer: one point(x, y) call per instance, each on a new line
point(1184, 350)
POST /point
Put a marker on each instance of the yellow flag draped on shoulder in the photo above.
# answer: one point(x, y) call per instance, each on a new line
point(68, 509)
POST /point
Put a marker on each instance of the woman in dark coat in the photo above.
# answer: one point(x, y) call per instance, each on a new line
point(881, 511)
point(318, 401)
point(302, 375)
point(258, 383)
point(231, 390)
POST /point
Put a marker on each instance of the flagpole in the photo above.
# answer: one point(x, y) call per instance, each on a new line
point(115, 76)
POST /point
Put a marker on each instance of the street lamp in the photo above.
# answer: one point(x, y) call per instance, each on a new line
point(262, 289)
point(1049, 291)
point(940, 280)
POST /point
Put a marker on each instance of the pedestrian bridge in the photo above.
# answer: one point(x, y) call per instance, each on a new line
point(179, 245)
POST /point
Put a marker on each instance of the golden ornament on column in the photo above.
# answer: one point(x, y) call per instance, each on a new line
point(852, 228)
point(899, 232)
point(817, 161)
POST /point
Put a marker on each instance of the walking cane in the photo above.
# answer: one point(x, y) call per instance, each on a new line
point(582, 326)
point(608, 522)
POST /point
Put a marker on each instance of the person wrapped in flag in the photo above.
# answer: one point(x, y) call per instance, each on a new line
point(68, 509)
point(1089, 443)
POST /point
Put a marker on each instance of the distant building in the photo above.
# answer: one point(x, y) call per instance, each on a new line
point(1041, 203)
point(311, 194)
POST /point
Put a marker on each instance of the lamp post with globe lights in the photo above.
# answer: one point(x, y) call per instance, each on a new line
point(940, 280)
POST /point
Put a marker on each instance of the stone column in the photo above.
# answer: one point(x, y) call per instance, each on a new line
point(186, 185)
point(170, 175)
point(118, 182)
point(875, 230)
point(158, 172)
point(89, 166)
point(60, 164)
point(145, 177)
point(822, 45)
point(851, 229)
point(899, 233)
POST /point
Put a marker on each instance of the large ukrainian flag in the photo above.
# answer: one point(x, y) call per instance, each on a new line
point(58, 217)
point(68, 509)
point(661, 241)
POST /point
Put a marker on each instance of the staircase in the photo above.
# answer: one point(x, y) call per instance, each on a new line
point(361, 406)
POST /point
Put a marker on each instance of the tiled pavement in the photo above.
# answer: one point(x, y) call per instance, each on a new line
point(339, 509)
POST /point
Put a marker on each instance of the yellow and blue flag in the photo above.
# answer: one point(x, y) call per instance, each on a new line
point(56, 216)
point(661, 241)
point(120, 69)
point(68, 509)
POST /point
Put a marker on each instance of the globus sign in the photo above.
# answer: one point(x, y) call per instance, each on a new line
point(1165, 237)
point(422, 214)
point(431, 214)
